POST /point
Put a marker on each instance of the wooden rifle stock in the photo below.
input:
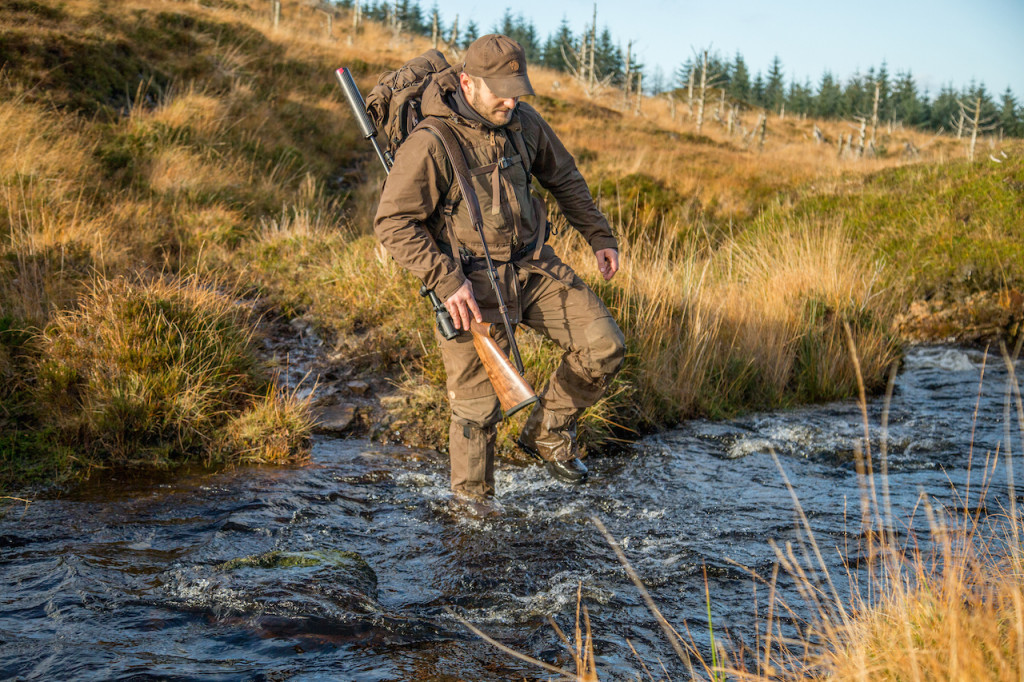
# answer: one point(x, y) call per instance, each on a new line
point(513, 392)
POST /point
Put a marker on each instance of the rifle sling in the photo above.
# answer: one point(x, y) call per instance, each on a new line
point(461, 170)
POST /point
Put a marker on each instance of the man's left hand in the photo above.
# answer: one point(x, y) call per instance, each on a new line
point(607, 262)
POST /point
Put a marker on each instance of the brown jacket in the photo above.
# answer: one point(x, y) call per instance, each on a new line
point(410, 217)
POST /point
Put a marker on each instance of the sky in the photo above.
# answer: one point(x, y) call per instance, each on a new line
point(939, 42)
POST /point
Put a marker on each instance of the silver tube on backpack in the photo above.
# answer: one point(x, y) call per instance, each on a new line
point(358, 106)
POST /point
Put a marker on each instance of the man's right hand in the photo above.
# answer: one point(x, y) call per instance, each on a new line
point(462, 307)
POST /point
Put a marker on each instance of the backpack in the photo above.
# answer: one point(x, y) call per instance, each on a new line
point(394, 103)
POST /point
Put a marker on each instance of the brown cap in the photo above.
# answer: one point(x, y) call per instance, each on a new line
point(501, 62)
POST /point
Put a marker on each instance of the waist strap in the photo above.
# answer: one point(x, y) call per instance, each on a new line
point(472, 263)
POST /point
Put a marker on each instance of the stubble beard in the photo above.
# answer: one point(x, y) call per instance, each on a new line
point(498, 117)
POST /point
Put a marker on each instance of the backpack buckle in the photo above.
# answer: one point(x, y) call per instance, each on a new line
point(504, 162)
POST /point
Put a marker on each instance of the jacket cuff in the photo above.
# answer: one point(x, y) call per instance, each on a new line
point(604, 242)
point(449, 284)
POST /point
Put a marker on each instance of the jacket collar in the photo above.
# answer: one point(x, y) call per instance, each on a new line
point(438, 97)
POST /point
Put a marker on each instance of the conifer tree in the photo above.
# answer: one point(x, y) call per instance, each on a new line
point(1010, 115)
point(608, 58)
point(884, 92)
point(905, 104)
point(739, 81)
point(683, 73)
point(757, 91)
point(799, 98)
point(828, 100)
point(471, 34)
point(945, 109)
point(989, 110)
point(775, 88)
point(858, 95)
point(523, 32)
point(557, 46)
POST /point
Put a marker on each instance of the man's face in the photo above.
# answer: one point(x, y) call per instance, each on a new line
point(497, 110)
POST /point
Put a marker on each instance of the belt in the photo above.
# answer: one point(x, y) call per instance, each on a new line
point(473, 263)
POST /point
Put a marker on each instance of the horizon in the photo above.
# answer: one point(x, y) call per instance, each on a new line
point(986, 48)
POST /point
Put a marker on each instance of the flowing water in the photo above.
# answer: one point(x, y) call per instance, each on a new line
point(345, 569)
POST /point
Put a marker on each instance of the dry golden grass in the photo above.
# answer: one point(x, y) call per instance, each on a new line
point(757, 321)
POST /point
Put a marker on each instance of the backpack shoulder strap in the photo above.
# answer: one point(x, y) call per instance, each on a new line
point(458, 160)
point(519, 144)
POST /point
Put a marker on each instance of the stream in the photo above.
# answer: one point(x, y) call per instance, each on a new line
point(346, 568)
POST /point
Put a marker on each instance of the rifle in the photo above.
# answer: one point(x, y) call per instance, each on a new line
point(513, 391)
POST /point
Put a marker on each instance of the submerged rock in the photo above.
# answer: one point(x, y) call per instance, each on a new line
point(299, 591)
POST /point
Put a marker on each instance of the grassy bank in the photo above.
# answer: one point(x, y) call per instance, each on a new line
point(156, 150)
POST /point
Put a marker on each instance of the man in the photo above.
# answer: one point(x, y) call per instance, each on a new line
point(426, 227)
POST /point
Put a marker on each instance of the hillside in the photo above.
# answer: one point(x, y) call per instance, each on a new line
point(187, 166)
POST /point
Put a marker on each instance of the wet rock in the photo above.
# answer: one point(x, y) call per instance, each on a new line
point(302, 591)
point(358, 387)
point(334, 418)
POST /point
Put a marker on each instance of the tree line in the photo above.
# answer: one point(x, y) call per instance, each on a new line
point(900, 99)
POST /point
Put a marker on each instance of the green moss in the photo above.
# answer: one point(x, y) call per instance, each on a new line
point(271, 560)
point(277, 559)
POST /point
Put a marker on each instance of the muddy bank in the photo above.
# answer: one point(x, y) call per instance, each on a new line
point(978, 319)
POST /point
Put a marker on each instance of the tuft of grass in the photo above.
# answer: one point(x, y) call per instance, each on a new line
point(155, 373)
point(273, 429)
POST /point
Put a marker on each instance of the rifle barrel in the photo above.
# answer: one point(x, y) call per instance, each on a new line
point(358, 106)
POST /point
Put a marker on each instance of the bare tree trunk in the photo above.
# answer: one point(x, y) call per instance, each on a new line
point(453, 39)
point(842, 141)
point(671, 105)
point(435, 34)
point(863, 135)
point(275, 11)
point(689, 93)
point(764, 130)
point(874, 114)
point(581, 71)
point(974, 129)
point(639, 93)
point(703, 92)
point(782, 112)
point(731, 125)
point(593, 49)
point(960, 123)
point(357, 14)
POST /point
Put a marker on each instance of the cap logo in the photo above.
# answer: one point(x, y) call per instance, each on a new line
point(514, 65)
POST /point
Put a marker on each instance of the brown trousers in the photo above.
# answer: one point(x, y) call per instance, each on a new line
point(568, 313)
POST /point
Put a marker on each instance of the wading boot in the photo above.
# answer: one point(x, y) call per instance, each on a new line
point(551, 438)
point(476, 506)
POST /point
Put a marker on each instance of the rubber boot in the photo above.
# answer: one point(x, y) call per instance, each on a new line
point(551, 438)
